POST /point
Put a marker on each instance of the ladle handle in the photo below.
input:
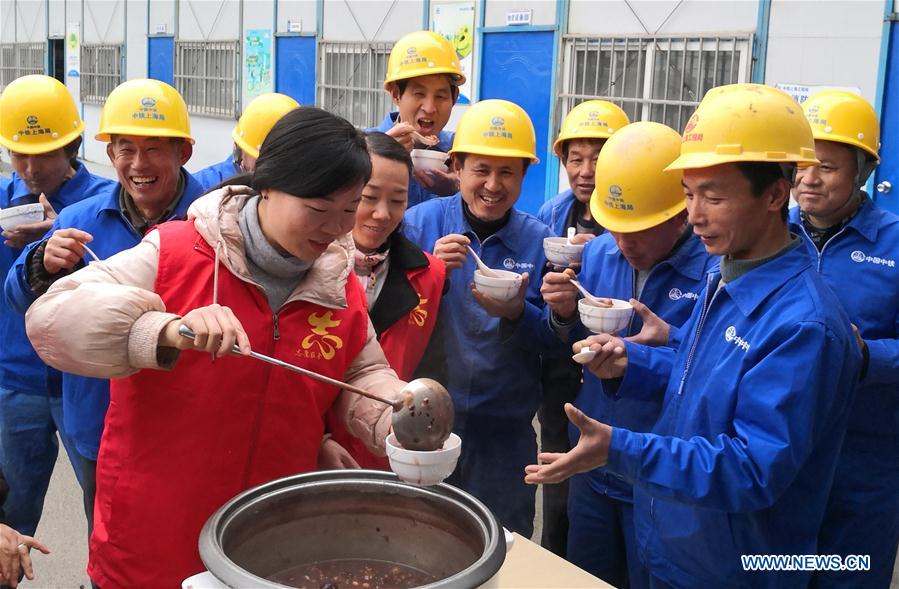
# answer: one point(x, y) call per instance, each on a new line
point(187, 332)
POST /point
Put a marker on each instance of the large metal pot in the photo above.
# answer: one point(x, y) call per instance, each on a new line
point(348, 514)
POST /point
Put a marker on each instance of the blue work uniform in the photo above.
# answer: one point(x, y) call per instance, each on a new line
point(418, 193)
point(561, 382)
point(861, 265)
point(756, 402)
point(493, 366)
point(86, 399)
point(213, 175)
point(31, 408)
point(556, 212)
point(601, 533)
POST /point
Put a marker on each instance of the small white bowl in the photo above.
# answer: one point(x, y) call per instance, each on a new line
point(423, 468)
point(560, 253)
point(503, 288)
point(12, 217)
point(429, 159)
point(605, 320)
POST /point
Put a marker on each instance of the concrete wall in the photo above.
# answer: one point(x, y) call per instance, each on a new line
point(833, 43)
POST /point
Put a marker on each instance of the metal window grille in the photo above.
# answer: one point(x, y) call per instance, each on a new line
point(21, 59)
point(652, 78)
point(207, 76)
point(352, 80)
point(101, 71)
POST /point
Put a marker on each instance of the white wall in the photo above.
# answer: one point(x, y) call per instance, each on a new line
point(615, 17)
point(371, 20)
point(301, 11)
point(58, 17)
point(209, 20)
point(136, 48)
point(104, 22)
point(834, 43)
point(31, 24)
point(162, 12)
point(543, 11)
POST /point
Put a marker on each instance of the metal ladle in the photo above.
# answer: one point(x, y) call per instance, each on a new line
point(422, 418)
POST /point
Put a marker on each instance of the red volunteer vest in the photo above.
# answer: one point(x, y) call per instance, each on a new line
point(178, 444)
point(404, 344)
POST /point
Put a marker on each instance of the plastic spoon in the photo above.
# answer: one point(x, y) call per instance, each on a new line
point(484, 268)
point(422, 417)
point(585, 356)
point(91, 252)
point(604, 303)
point(571, 232)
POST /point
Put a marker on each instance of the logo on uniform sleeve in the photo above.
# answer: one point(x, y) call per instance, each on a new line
point(731, 337)
point(419, 314)
point(676, 294)
point(320, 344)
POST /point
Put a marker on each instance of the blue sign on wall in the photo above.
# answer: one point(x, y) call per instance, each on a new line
point(520, 66)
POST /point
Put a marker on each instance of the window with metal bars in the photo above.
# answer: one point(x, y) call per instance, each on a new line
point(652, 78)
point(351, 80)
point(21, 59)
point(206, 75)
point(101, 71)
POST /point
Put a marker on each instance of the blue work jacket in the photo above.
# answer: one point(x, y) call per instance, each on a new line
point(671, 291)
point(861, 265)
point(20, 367)
point(85, 399)
point(555, 212)
point(418, 193)
point(493, 369)
point(756, 402)
point(214, 174)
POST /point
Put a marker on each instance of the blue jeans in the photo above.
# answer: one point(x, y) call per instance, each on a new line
point(601, 536)
point(29, 421)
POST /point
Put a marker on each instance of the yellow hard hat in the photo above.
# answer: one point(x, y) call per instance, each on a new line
point(635, 189)
point(594, 119)
point(258, 119)
point(746, 123)
point(423, 53)
point(146, 108)
point(37, 115)
point(498, 128)
point(844, 117)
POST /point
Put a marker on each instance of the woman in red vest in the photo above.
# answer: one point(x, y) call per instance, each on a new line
point(268, 266)
point(403, 285)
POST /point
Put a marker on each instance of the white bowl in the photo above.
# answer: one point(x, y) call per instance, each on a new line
point(560, 253)
point(603, 320)
point(14, 216)
point(503, 288)
point(429, 159)
point(424, 468)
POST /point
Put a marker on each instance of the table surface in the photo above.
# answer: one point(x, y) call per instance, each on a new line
point(528, 565)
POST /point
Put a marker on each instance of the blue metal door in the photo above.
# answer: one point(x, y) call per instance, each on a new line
point(886, 179)
point(161, 59)
point(520, 66)
point(295, 68)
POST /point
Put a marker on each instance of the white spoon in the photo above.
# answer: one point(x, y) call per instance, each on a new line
point(484, 268)
point(585, 356)
point(91, 252)
point(604, 303)
point(571, 232)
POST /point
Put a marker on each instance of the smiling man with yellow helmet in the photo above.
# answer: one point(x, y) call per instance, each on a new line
point(423, 79)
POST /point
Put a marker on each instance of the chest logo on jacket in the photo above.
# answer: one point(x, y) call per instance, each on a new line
point(510, 264)
point(676, 294)
point(325, 343)
point(419, 314)
point(859, 256)
point(730, 336)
